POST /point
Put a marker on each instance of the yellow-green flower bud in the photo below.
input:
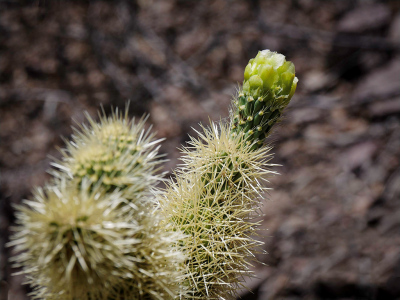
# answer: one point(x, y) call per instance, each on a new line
point(269, 73)
point(271, 80)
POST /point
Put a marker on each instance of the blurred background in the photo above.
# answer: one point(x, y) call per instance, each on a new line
point(333, 218)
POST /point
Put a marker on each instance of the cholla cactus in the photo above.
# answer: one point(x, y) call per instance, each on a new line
point(217, 192)
point(95, 232)
point(269, 84)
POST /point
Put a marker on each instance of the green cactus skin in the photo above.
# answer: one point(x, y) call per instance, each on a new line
point(268, 86)
point(214, 201)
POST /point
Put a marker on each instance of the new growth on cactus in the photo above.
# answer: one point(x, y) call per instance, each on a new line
point(269, 84)
point(216, 195)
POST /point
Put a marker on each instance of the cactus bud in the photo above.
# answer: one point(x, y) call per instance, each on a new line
point(271, 80)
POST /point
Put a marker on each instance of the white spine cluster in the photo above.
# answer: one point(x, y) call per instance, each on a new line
point(214, 201)
point(95, 232)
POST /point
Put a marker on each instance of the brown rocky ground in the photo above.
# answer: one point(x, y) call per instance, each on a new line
point(333, 218)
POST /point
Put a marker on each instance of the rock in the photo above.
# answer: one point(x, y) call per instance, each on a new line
point(394, 31)
point(361, 204)
point(382, 83)
point(320, 133)
point(253, 283)
point(392, 189)
point(189, 43)
point(370, 60)
point(273, 287)
point(384, 108)
point(317, 80)
point(358, 155)
point(305, 115)
point(365, 18)
point(291, 226)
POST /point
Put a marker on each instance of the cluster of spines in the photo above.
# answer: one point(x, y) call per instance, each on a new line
point(104, 180)
point(73, 241)
point(119, 153)
point(214, 201)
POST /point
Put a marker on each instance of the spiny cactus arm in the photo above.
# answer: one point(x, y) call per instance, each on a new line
point(95, 232)
point(81, 243)
point(269, 84)
point(214, 201)
point(72, 242)
point(217, 192)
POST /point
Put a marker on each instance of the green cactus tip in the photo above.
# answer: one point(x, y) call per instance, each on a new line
point(269, 84)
